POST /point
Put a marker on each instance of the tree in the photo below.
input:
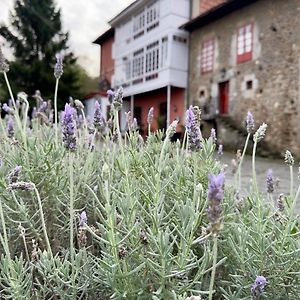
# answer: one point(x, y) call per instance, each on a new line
point(35, 35)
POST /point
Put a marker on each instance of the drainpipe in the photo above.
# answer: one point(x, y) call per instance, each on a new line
point(168, 104)
point(132, 104)
point(187, 94)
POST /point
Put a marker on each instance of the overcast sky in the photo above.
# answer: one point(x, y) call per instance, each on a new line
point(85, 20)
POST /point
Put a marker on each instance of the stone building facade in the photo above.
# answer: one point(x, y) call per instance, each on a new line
point(245, 55)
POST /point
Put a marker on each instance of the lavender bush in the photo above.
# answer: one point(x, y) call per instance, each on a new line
point(88, 214)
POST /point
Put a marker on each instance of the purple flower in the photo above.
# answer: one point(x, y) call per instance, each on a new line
point(213, 134)
point(258, 287)
point(270, 181)
point(118, 99)
point(193, 130)
point(58, 69)
point(150, 116)
point(7, 109)
point(83, 219)
point(14, 174)
point(220, 150)
point(215, 196)
point(99, 120)
point(111, 95)
point(10, 127)
point(215, 187)
point(250, 122)
point(68, 128)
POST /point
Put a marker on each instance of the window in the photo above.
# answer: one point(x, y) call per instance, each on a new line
point(152, 57)
point(138, 25)
point(152, 13)
point(245, 43)
point(138, 63)
point(207, 56)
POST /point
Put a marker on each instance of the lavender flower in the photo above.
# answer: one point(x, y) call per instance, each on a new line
point(118, 99)
point(79, 104)
point(99, 120)
point(68, 128)
point(197, 113)
point(7, 109)
point(150, 116)
point(288, 158)
point(43, 106)
point(258, 287)
point(111, 95)
point(213, 135)
point(260, 133)
point(10, 127)
point(171, 130)
point(193, 130)
point(58, 69)
point(22, 96)
point(134, 124)
point(270, 181)
point(4, 67)
point(21, 185)
point(83, 219)
point(280, 202)
point(250, 122)
point(13, 176)
point(215, 196)
point(220, 150)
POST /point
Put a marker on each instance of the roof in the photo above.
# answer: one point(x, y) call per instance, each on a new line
point(132, 7)
point(104, 36)
point(216, 13)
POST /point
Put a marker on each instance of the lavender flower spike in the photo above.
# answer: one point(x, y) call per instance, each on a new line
point(220, 150)
point(288, 158)
point(118, 99)
point(4, 68)
point(250, 122)
point(68, 128)
point(215, 196)
point(193, 130)
point(99, 120)
point(13, 176)
point(270, 182)
point(111, 95)
point(213, 134)
point(10, 128)
point(83, 219)
point(58, 69)
point(258, 287)
point(150, 116)
point(260, 133)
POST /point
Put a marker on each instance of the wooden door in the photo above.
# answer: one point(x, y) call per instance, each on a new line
point(223, 97)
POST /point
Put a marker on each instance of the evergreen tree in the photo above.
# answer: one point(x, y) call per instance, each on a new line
point(35, 35)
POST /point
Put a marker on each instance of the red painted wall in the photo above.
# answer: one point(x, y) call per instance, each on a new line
point(206, 5)
point(154, 98)
point(106, 60)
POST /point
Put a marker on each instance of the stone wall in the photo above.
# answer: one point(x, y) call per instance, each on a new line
point(268, 85)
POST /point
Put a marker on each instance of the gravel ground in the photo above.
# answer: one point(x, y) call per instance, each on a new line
point(280, 171)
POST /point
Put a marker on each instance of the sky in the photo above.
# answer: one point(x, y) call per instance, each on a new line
point(85, 21)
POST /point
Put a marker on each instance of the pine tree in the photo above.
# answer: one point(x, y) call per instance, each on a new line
point(35, 36)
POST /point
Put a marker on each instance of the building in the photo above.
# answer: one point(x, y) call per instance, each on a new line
point(244, 55)
point(149, 59)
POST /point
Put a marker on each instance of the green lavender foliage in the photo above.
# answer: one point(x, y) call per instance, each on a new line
point(147, 234)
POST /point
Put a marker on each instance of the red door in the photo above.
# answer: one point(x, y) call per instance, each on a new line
point(223, 97)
